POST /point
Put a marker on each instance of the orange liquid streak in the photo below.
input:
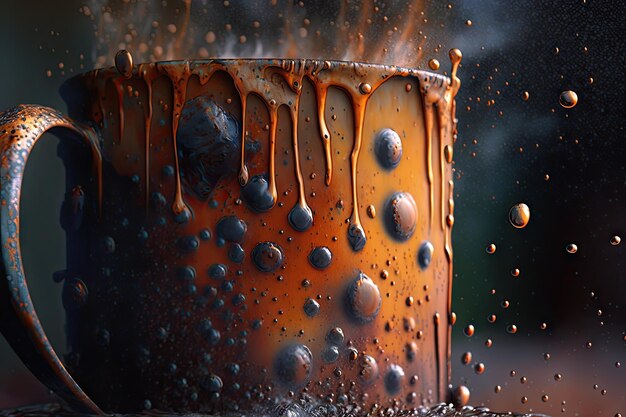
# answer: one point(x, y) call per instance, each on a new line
point(442, 159)
point(428, 124)
point(436, 319)
point(322, 91)
point(296, 153)
point(243, 169)
point(359, 104)
point(273, 126)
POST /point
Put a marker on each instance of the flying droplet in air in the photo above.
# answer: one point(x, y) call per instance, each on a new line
point(568, 99)
point(491, 249)
point(519, 215)
point(615, 240)
point(571, 248)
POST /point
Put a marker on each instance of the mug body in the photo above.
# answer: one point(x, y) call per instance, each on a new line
point(264, 230)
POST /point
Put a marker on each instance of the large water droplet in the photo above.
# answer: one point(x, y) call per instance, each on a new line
point(363, 299)
point(231, 229)
point(267, 256)
point(208, 140)
point(388, 148)
point(394, 379)
point(519, 215)
point(401, 216)
point(257, 194)
point(568, 99)
point(293, 365)
point(300, 217)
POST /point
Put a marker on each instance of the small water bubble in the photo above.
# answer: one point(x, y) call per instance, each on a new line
point(466, 358)
point(515, 272)
point(615, 240)
point(512, 329)
point(568, 99)
point(557, 377)
point(519, 215)
point(469, 330)
point(491, 248)
point(571, 248)
point(371, 211)
point(479, 368)
point(525, 96)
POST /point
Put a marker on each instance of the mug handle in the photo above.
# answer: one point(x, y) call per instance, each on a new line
point(20, 129)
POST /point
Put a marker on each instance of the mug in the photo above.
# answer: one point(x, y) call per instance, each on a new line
point(242, 233)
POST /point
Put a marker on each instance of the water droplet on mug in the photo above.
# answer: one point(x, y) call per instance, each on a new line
point(519, 215)
point(300, 217)
point(74, 294)
point(401, 216)
point(311, 307)
point(231, 229)
point(356, 237)
point(335, 336)
point(363, 299)
point(469, 330)
point(394, 379)
point(320, 257)
point(466, 358)
point(368, 372)
point(293, 365)
point(425, 254)
point(433, 64)
point(236, 253)
point(218, 271)
point(267, 256)
point(388, 148)
point(257, 194)
point(568, 99)
point(108, 245)
point(330, 354)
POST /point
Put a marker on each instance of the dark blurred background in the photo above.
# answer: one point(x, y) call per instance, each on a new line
point(567, 165)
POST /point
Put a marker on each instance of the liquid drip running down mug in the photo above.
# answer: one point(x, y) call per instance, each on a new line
point(241, 233)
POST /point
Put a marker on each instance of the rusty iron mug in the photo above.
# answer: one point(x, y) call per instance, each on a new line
point(243, 232)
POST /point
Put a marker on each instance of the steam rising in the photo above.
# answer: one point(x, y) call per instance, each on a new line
point(357, 30)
